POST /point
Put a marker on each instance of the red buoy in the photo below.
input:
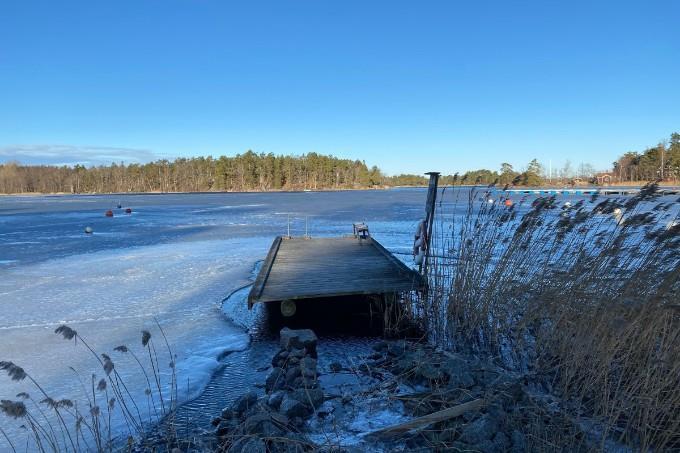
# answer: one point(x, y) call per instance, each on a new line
point(508, 202)
point(128, 210)
point(109, 213)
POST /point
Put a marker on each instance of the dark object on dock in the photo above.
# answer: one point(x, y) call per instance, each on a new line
point(361, 230)
point(301, 268)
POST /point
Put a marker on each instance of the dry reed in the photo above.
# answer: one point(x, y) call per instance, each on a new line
point(583, 293)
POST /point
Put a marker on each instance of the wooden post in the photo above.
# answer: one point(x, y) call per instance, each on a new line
point(429, 218)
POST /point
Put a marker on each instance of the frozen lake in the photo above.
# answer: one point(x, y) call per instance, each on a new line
point(173, 259)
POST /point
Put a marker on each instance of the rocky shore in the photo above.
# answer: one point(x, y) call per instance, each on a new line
point(276, 421)
point(405, 396)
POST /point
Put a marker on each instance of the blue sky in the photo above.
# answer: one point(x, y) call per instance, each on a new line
point(409, 86)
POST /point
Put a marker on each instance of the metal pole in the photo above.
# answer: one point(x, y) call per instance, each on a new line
point(288, 225)
point(429, 217)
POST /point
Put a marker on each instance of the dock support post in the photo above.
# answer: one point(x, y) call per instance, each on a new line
point(429, 218)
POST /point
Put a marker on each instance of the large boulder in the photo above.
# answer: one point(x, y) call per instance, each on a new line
point(299, 339)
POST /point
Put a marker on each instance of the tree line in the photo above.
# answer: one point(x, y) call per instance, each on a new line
point(244, 172)
point(251, 171)
point(658, 162)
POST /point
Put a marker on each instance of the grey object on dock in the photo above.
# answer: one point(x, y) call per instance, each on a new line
point(303, 268)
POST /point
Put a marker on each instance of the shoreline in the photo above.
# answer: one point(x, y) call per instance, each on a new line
point(632, 185)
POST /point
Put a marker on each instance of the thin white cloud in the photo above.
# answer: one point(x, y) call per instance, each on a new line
point(72, 155)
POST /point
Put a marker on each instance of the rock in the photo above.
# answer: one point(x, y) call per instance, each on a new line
point(275, 380)
point(293, 408)
point(460, 379)
point(364, 368)
point(287, 446)
point(479, 430)
point(304, 338)
point(216, 421)
point(514, 393)
point(346, 398)
point(501, 441)
point(380, 346)
point(261, 425)
point(309, 383)
point(308, 363)
point(458, 447)
point(298, 353)
point(291, 444)
point(298, 422)
point(518, 441)
point(374, 357)
point(248, 444)
point(244, 403)
point(225, 427)
point(397, 348)
point(291, 374)
point(275, 399)
point(431, 373)
point(238, 407)
point(280, 358)
point(335, 367)
point(311, 397)
point(486, 446)
point(325, 409)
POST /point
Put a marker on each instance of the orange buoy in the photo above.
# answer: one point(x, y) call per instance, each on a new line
point(508, 202)
point(128, 210)
point(109, 213)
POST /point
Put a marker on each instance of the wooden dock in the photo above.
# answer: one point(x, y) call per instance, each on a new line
point(305, 268)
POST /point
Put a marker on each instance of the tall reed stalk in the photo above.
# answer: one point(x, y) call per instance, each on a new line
point(107, 398)
point(583, 292)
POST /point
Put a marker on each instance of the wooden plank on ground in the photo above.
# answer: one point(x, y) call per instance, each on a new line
point(426, 420)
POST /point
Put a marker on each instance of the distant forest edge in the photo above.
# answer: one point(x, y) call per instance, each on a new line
point(262, 172)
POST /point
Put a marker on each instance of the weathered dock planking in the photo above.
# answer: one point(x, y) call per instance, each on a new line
point(305, 268)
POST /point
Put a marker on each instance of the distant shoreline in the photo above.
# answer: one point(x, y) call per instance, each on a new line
point(631, 185)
